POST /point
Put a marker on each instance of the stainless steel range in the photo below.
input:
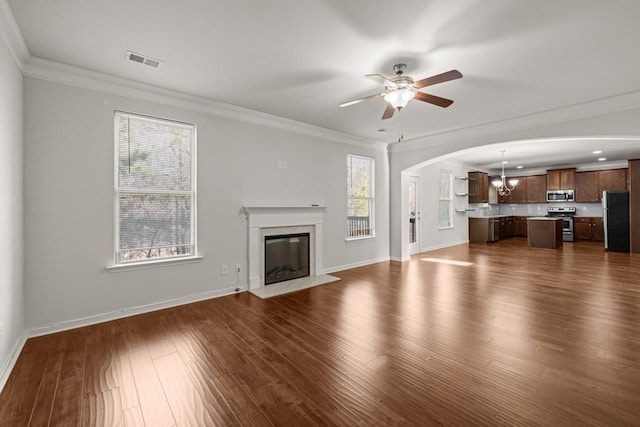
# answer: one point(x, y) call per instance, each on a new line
point(567, 215)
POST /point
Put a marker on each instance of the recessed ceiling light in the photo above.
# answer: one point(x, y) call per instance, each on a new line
point(519, 167)
point(597, 152)
point(504, 162)
point(602, 159)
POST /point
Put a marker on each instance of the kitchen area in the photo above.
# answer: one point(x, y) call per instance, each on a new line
point(562, 205)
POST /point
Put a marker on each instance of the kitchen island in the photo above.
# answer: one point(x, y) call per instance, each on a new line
point(544, 232)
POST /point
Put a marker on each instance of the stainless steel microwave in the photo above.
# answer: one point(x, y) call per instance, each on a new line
point(560, 196)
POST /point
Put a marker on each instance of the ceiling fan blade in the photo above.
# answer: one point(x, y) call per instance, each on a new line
point(439, 78)
point(356, 101)
point(432, 99)
point(381, 79)
point(388, 112)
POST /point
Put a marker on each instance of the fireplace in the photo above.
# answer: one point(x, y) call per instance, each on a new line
point(266, 221)
point(286, 257)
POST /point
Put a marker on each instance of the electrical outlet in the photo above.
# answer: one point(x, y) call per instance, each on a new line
point(224, 269)
point(238, 268)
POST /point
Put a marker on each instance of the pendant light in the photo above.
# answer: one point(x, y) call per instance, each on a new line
point(501, 184)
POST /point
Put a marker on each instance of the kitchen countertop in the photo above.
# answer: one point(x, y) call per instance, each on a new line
point(544, 218)
point(490, 216)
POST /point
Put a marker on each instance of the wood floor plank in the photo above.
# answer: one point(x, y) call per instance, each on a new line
point(133, 417)
point(41, 413)
point(190, 406)
point(153, 402)
point(520, 336)
point(67, 405)
point(21, 391)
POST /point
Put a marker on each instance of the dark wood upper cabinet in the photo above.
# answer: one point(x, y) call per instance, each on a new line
point(519, 192)
point(478, 187)
point(553, 179)
point(612, 179)
point(590, 185)
point(537, 189)
point(567, 179)
point(530, 189)
point(561, 179)
point(587, 187)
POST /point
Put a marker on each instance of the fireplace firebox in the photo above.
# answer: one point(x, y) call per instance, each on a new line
point(286, 257)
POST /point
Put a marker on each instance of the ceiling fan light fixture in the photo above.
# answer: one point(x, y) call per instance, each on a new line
point(399, 98)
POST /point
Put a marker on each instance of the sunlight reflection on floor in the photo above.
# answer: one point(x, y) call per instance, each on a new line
point(447, 261)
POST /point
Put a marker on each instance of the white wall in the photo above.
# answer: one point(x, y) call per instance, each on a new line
point(69, 202)
point(11, 249)
point(431, 236)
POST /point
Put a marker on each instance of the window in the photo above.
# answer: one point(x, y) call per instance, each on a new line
point(154, 188)
point(445, 204)
point(360, 196)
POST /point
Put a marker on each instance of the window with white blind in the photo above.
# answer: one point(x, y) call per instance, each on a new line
point(445, 203)
point(360, 196)
point(154, 189)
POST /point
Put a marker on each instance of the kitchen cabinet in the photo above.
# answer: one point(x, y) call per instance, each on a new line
point(536, 189)
point(506, 227)
point(530, 189)
point(545, 232)
point(520, 226)
point(519, 192)
point(597, 229)
point(587, 187)
point(588, 229)
point(582, 228)
point(612, 179)
point(561, 179)
point(483, 229)
point(590, 185)
point(478, 187)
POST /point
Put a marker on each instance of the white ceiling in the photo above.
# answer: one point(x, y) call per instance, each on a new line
point(299, 59)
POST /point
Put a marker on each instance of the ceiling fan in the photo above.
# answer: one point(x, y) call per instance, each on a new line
point(401, 89)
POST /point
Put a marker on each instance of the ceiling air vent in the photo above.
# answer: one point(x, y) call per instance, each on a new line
point(141, 59)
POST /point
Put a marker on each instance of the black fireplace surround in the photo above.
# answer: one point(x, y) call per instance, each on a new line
point(286, 257)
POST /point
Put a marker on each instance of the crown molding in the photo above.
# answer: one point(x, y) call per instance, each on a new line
point(596, 107)
point(68, 75)
point(12, 36)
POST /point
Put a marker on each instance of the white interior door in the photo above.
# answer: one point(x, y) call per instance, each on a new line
point(414, 214)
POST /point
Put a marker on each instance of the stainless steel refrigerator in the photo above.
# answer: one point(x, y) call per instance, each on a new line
point(616, 220)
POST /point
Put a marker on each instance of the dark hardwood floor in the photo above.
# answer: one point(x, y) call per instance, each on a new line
point(518, 336)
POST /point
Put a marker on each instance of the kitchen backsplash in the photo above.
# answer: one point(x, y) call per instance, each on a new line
point(536, 209)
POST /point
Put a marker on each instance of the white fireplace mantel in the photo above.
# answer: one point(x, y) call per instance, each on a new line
point(260, 218)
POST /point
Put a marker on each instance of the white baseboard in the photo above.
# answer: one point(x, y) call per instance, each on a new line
point(445, 245)
point(126, 312)
point(354, 265)
point(8, 365)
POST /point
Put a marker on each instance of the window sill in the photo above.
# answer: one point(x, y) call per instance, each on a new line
point(351, 239)
point(445, 228)
point(116, 268)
